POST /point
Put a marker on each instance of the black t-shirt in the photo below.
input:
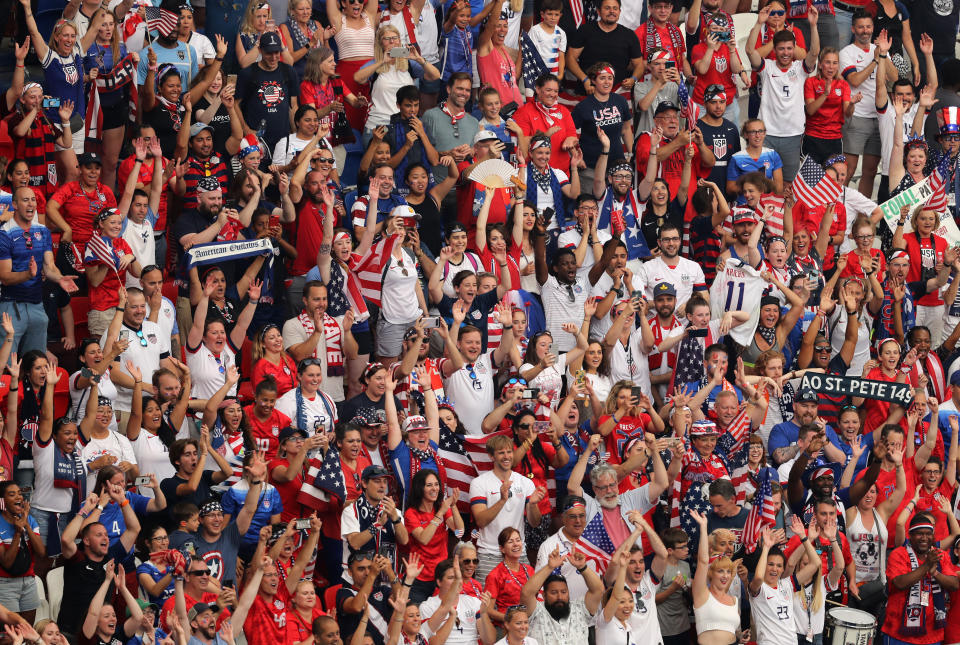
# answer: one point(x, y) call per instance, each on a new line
point(265, 97)
point(938, 19)
point(609, 115)
point(191, 221)
point(379, 604)
point(360, 402)
point(650, 224)
point(169, 488)
point(83, 577)
point(220, 122)
point(723, 140)
point(161, 120)
point(617, 47)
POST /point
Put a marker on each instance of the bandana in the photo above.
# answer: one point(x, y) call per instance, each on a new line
point(28, 87)
point(210, 508)
point(550, 114)
point(453, 117)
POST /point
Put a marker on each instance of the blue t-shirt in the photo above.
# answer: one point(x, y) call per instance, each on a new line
point(19, 246)
point(156, 574)
point(101, 58)
point(183, 57)
point(456, 54)
point(694, 386)
point(787, 433)
point(482, 305)
point(742, 163)
point(268, 505)
point(400, 461)
point(866, 440)
point(112, 515)
point(63, 78)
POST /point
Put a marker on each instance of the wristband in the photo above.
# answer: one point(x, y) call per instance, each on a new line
point(804, 539)
point(882, 55)
point(395, 522)
point(99, 507)
point(602, 153)
point(906, 370)
point(582, 569)
point(14, 389)
point(251, 300)
point(20, 65)
point(125, 502)
point(219, 58)
point(505, 327)
point(406, 584)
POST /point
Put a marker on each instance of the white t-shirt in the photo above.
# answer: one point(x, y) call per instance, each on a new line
point(205, 49)
point(861, 354)
point(46, 496)
point(570, 239)
point(643, 621)
point(428, 34)
point(854, 201)
point(209, 370)
point(810, 622)
point(463, 633)
point(146, 358)
point(166, 319)
point(470, 262)
point(550, 46)
point(144, 247)
point(550, 380)
point(630, 363)
point(576, 585)
point(400, 304)
point(114, 444)
point(854, 59)
point(558, 308)
point(287, 148)
point(152, 457)
point(888, 120)
point(773, 613)
point(295, 334)
point(781, 102)
point(79, 397)
point(472, 397)
point(684, 277)
point(738, 287)
point(320, 411)
point(544, 197)
point(485, 489)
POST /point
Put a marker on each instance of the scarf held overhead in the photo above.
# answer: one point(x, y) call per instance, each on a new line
point(122, 75)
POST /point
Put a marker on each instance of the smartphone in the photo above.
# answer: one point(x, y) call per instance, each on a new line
point(531, 393)
point(232, 79)
point(400, 52)
point(271, 23)
point(431, 322)
point(697, 333)
point(508, 110)
point(636, 392)
point(274, 221)
point(51, 102)
point(142, 481)
point(552, 348)
point(27, 492)
point(539, 427)
point(670, 64)
point(124, 335)
point(636, 294)
point(301, 524)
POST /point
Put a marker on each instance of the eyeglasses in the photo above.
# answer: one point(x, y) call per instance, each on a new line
point(325, 159)
point(951, 137)
point(27, 241)
point(863, 237)
point(570, 295)
point(822, 348)
point(755, 131)
point(160, 538)
point(143, 340)
point(391, 39)
point(670, 239)
point(622, 176)
point(778, 12)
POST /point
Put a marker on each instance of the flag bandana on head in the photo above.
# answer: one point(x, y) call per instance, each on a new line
point(215, 252)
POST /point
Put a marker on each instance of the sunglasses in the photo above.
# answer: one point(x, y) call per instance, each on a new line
point(199, 572)
point(143, 340)
point(220, 367)
point(324, 159)
point(778, 12)
point(27, 241)
point(470, 561)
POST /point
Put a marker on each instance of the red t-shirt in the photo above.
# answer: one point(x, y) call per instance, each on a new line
point(79, 208)
point(433, 551)
point(823, 546)
point(810, 219)
point(298, 630)
point(718, 73)
point(628, 428)
point(266, 624)
point(285, 374)
point(535, 471)
point(470, 196)
point(898, 563)
point(666, 42)
point(925, 253)
point(144, 179)
point(877, 410)
point(505, 585)
point(106, 294)
point(288, 491)
point(490, 264)
point(827, 122)
point(265, 432)
point(309, 236)
point(531, 120)
point(671, 170)
point(208, 597)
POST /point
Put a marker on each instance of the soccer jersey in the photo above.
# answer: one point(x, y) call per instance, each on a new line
point(827, 122)
point(686, 276)
point(738, 287)
point(781, 101)
point(773, 612)
point(550, 44)
point(853, 59)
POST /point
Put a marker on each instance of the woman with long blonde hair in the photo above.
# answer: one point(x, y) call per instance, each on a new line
point(388, 75)
point(717, 612)
point(353, 22)
point(258, 20)
point(270, 359)
point(808, 601)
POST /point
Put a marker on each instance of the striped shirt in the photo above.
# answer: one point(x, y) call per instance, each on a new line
point(197, 169)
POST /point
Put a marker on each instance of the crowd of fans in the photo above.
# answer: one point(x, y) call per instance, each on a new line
point(520, 322)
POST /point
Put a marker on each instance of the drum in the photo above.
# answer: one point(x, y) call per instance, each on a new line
point(847, 626)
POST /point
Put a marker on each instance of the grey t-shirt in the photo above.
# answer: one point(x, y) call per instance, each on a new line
point(437, 124)
point(674, 612)
point(644, 119)
point(220, 555)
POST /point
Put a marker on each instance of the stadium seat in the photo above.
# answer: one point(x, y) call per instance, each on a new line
point(55, 590)
point(330, 598)
point(169, 291)
point(80, 306)
point(61, 394)
point(351, 166)
point(348, 201)
point(43, 611)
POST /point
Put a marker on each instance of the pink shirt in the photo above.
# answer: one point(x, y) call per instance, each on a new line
point(617, 529)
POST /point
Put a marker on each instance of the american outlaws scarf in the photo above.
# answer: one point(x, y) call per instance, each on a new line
point(915, 610)
point(69, 472)
point(333, 336)
point(653, 39)
point(553, 185)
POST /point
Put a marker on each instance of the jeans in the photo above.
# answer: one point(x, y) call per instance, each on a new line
point(844, 24)
point(789, 150)
point(29, 326)
point(48, 521)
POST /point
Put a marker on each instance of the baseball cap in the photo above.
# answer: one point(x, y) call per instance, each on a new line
point(198, 609)
point(415, 422)
point(742, 215)
point(89, 158)
point(144, 605)
point(290, 431)
point(208, 185)
point(270, 43)
point(373, 472)
point(955, 378)
point(663, 107)
point(664, 289)
point(807, 395)
point(366, 417)
point(485, 135)
point(199, 127)
point(703, 428)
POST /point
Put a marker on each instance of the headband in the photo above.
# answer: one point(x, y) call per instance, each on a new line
point(341, 236)
point(606, 70)
point(620, 165)
point(266, 328)
point(823, 471)
point(102, 400)
point(540, 143)
point(660, 54)
point(210, 507)
point(851, 279)
point(776, 238)
point(575, 505)
point(889, 339)
point(897, 254)
point(832, 159)
point(372, 369)
point(165, 69)
point(28, 87)
point(921, 525)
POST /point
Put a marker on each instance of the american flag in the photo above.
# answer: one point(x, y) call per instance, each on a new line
point(99, 249)
point(350, 293)
point(694, 500)
point(688, 109)
point(689, 366)
point(161, 20)
point(596, 544)
point(938, 179)
point(772, 225)
point(812, 186)
point(323, 479)
point(533, 65)
point(369, 270)
point(459, 467)
point(763, 512)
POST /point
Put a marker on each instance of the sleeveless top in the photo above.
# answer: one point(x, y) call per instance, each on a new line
point(431, 224)
point(716, 615)
point(301, 40)
point(869, 547)
point(498, 71)
point(752, 351)
point(354, 43)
